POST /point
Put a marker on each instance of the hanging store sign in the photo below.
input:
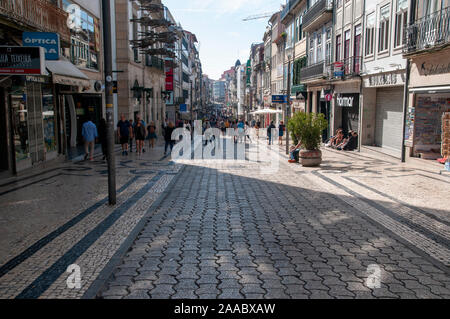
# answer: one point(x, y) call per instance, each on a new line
point(49, 41)
point(22, 60)
point(279, 99)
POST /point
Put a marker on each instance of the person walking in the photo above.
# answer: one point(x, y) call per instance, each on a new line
point(281, 129)
point(269, 132)
point(240, 130)
point(151, 129)
point(139, 133)
point(124, 131)
point(89, 132)
point(168, 137)
point(131, 137)
point(138, 119)
point(258, 126)
point(102, 136)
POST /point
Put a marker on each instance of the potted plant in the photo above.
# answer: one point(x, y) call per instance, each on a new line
point(307, 128)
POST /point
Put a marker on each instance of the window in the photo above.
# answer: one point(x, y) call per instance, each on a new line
point(338, 3)
point(319, 48)
point(357, 50)
point(347, 50)
point(370, 33)
point(401, 21)
point(297, 36)
point(311, 59)
point(383, 35)
point(328, 47)
point(338, 47)
point(85, 37)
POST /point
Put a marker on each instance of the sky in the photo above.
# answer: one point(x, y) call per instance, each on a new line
point(223, 36)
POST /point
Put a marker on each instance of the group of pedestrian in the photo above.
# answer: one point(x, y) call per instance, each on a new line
point(128, 131)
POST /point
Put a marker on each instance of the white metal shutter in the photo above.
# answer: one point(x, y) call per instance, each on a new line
point(389, 118)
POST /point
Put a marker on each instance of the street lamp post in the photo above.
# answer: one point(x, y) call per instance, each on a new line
point(106, 7)
point(288, 105)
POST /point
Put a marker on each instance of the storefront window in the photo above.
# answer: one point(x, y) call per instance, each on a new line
point(20, 123)
point(48, 119)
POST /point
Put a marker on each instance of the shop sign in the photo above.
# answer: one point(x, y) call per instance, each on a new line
point(347, 100)
point(383, 79)
point(279, 99)
point(49, 41)
point(435, 69)
point(22, 61)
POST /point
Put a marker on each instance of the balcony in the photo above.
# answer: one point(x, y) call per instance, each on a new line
point(317, 15)
point(430, 32)
point(40, 15)
point(314, 72)
point(346, 68)
point(287, 9)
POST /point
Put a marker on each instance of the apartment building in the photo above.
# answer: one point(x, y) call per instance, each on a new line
point(384, 75)
point(42, 112)
point(347, 65)
point(141, 80)
point(427, 47)
point(317, 23)
point(295, 50)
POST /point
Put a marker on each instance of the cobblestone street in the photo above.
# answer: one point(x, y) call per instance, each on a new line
point(229, 231)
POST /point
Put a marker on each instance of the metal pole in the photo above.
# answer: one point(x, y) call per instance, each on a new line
point(106, 6)
point(405, 108)
point(288, 105)
point(192, 104)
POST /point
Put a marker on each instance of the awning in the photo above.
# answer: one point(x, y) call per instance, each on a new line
point(431, 89)
point(64, 72)
point(266, 111)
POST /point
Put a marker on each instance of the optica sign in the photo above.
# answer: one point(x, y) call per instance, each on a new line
point(49, 41)
point(22, 61)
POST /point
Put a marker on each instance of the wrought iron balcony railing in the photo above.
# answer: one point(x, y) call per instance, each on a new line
point(289, 6)
point(314, 71)
point(346, 68)
point(41, 15)
point(318, 9)
point(429, 32)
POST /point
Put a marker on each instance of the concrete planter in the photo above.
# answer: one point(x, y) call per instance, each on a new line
point(310, 158)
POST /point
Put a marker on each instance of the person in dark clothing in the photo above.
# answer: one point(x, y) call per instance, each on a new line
point(269, 132)
point(139, 133)
point(102, 136)
point(168, 137)
point(351, 144)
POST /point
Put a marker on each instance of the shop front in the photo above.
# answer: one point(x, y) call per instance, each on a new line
point(429, 99)
point(382, 124)
point(346, 107)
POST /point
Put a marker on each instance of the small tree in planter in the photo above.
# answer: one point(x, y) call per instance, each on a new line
point(307, 128)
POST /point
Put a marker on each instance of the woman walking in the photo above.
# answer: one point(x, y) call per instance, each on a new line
point(151, 135)
point(139, 133)
point(168, 137)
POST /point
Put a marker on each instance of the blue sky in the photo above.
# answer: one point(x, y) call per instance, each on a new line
point(219, 28)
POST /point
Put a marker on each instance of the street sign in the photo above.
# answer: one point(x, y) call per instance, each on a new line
point(279, 99)
point(338, 69)
point(328, 97)
point(49, 41)
point(183, 108)
point(22, 60)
